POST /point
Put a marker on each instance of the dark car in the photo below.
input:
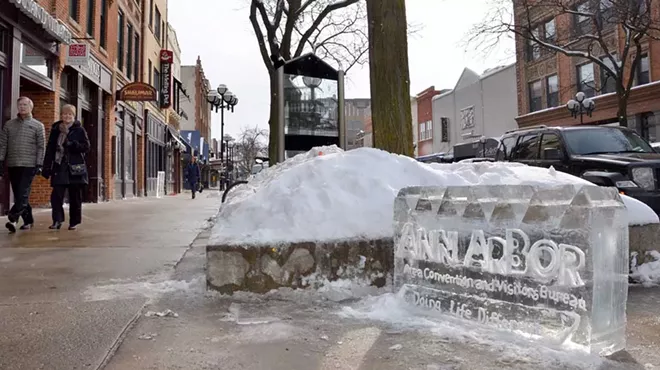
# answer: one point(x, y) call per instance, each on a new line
point(603, 155)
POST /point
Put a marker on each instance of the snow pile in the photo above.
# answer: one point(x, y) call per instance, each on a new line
point(648, 273)
point(329, 194)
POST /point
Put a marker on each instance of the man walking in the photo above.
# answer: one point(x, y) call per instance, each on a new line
point(22, 147)
point(193, 175)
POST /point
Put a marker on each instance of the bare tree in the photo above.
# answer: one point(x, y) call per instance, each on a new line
point(333, 29)
point(252, 143)
point(611, 34)
point(389, 75)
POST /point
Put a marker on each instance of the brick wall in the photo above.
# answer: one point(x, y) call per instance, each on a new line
point(424, 114)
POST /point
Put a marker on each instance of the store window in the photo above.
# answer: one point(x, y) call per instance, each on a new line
point(129, 157)
point(118, 152)
point(36, 61)
point(4, 40)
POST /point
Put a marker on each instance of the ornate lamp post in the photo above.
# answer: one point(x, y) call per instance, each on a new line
point(228, 140)
point(221, 99)
point(581, 106)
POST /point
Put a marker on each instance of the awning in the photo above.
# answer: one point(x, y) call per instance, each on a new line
point(183, 146)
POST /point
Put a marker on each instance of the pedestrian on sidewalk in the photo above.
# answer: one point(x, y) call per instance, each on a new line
point(22, 145)
point(65, 166)
point(192, 174)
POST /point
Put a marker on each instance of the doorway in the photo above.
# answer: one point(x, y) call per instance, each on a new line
point(87, 120)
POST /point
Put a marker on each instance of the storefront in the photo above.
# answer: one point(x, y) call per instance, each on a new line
point(88, 87)
point(176, 148)
point(30, 40)
point(155, 154)
point(128, 134)
point(128, 139)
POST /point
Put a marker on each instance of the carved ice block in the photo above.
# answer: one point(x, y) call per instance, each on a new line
point(551, 262)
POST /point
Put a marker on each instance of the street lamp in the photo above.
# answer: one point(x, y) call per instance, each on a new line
point(228, 140)
point(580, 106)
point(221, 99)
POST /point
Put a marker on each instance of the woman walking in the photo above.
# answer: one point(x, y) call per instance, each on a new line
point(65, 165)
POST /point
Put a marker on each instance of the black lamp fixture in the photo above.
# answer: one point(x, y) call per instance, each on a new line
point(221, 99)
point(581, 106)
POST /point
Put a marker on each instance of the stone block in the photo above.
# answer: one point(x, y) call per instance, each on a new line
point(261, 268)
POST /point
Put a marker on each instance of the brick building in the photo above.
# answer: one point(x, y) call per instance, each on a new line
point(33, 63)
point(424, 127)
point(547, 80)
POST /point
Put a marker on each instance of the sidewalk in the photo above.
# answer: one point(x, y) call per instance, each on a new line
point(57, 310)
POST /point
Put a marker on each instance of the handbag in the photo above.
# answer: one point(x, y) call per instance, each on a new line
point(77, 169)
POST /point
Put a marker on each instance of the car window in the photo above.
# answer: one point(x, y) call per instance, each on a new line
point(603, 140)
point(528, 147)
point(506, 148)
point(549, 141)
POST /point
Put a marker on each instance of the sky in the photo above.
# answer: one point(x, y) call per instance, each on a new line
point(220, 32)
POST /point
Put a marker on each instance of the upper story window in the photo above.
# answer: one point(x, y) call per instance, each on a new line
point(583, 22)
point(550, 33)
point(643, 76)
point(607, 80)
point(535, 96)
point(151, 14)
point(74, 5)
point(120, 41)
point(91, 14)
point(552, 91)
point(129, 50)
point(533, 48)
point(606, 13)
point(157, 24)
point(585, 82)
point(103, 25)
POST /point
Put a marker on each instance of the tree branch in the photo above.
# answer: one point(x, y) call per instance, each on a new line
point(315, 25)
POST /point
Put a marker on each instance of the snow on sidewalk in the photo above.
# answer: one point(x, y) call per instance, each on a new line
point(329, 194)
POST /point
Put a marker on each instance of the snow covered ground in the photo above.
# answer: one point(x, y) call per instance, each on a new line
point(648, 273)
point(329, 194)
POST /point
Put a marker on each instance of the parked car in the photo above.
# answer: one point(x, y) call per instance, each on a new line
point(603, 155)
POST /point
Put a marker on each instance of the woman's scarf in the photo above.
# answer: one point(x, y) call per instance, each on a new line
point(61, 139)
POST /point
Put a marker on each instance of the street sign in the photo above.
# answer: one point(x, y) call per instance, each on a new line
point(78, 55)
point(166, 59)
point(137, 91)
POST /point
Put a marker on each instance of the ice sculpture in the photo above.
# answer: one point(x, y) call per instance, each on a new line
point(551, 262)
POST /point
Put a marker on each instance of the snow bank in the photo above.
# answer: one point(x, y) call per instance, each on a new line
point(329, 194)
point(648, 273)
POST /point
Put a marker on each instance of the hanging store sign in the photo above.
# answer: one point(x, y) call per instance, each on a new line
point(137, 91)
point(78, 55)
point(38, 14)
point(166, 59)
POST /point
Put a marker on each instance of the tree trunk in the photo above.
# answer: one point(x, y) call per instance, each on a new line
point(389, 75)
point(622, 111)
point(273, 118)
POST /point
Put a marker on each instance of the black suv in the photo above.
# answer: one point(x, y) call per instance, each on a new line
point(604, 155)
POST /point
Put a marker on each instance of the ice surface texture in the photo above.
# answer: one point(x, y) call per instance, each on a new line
point(549, 262)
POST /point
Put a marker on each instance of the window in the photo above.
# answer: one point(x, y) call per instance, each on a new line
point(583, 22)
point(549, 141)
point(422, 131)
point(4, 40)
point(585, 74)
point(128, 157)
point(149, 73)
point(607, 81)
point(103, 25)
point(73, 9)
point(506, 148)
point(91, 13)
point(605, 140)
point(163, 30)
point(535, 96)
point(157, 30)
point(605, 15)
point(120, 41)
point(429, 130)
point(36, 61)
point(550, 31)
point(528, 147)
point(136, 68)
point(552, 91)
point(151, 14)
point(533, 48)
point(444, 129)
point(643, 70)
point(129, 50)
point(157, 84)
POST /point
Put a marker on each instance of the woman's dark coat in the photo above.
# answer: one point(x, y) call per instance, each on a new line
point(75, 147)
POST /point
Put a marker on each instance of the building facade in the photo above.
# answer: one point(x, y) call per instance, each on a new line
point(547, 80)
point(40, 57)
point(424, 125)
point(415, 131)
point(479, 105)
point(357, 113)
